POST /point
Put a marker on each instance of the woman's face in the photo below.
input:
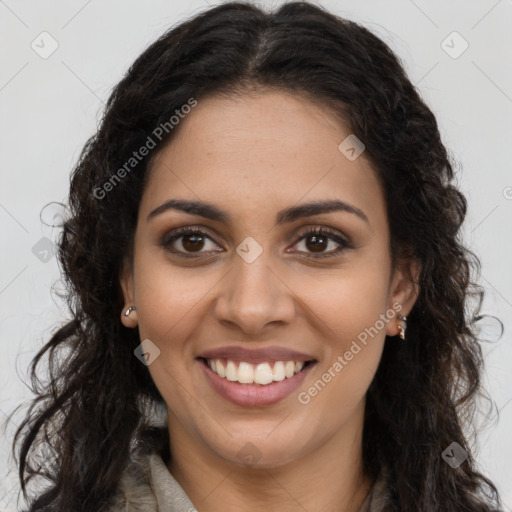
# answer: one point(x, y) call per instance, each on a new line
point(253, 288)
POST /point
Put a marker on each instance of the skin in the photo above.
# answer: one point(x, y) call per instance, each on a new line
point(252, 157)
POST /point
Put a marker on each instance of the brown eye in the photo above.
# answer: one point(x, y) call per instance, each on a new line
point(192, 242)
point(317, 243)
point(322, 242)
point(187, 241)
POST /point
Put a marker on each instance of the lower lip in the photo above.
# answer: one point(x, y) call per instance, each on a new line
point(253, 395)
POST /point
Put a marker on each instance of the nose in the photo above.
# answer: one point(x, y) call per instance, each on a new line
point(252, 296)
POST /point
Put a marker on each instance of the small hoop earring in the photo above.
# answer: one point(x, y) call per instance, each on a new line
point(402, 328)
point(129, 310)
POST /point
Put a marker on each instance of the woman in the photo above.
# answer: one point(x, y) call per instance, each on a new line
point(267, 286)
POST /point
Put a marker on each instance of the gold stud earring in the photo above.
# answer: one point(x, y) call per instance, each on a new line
point(403, 327)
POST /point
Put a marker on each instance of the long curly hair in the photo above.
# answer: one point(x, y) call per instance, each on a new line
point(91, 410)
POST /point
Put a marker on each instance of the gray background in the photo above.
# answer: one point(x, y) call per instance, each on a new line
point(50, 106)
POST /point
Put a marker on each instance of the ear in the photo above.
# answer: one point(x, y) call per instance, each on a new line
point(404, 291)
point(127, 285)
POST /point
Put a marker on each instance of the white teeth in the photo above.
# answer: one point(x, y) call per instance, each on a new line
point(289, 369)
point(220, 368)
point(279, 371)
point(231, 372)
point(262, 373)
point(245, 373)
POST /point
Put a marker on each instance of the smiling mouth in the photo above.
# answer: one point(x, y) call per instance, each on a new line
point(263, 373)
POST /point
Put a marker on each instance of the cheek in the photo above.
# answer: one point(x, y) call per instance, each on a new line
point(352, 335)
point(168, 297)
point(347, 381)
point(347, 301)
point(170, 303)
point(351, 305)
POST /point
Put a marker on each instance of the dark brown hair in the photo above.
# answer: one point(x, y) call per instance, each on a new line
point(93, 411)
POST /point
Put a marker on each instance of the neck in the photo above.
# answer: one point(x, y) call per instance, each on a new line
point(318, 481)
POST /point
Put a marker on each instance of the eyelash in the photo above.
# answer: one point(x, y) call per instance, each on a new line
point(168, 239)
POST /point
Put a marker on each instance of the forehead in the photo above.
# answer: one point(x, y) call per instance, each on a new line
point(259, 153)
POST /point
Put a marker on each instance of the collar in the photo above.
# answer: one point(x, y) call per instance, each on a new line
point(148, 486)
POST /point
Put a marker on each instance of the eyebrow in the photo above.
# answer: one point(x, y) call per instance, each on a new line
point(287, 215)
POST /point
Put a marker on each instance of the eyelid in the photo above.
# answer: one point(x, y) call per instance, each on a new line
point(331, 233)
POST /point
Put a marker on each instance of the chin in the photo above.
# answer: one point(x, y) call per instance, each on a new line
point(259, 453)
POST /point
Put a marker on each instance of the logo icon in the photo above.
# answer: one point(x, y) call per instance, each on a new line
point(44, 249)
point(351, 147)
point(249, 454)
point(147, 352)
point(44, 45)
point(249, 250)
point(455, 455)
point(454, 45)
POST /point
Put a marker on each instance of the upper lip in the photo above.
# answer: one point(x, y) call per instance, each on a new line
point(255, 356)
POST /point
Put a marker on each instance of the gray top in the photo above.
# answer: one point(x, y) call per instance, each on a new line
point(149, 487)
